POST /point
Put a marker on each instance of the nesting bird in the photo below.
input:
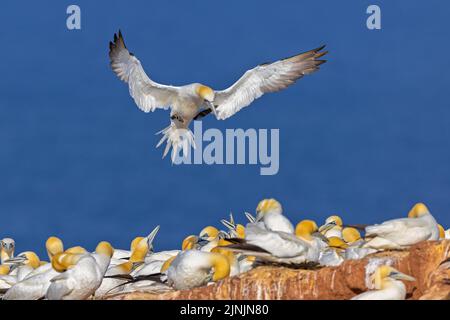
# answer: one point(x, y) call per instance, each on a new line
point(387, 285)
point(402, 233)
point(84, 276)
point(196, 100)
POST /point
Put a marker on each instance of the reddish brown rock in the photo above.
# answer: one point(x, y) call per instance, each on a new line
point(422, 261)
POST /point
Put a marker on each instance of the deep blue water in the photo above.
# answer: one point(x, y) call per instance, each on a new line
point(366, 137)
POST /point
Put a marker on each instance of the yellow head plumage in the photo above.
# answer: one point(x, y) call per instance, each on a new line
point(54, 245)
point(418, 210)
point(336, 219)
point(32, 259)
point(76, 250)
point(268, 205)
point(240, 231)
point(189, 242)
point(4, 269)
point(351, 235)
point(220, 265)
point(205, 92)
point(209, 233)
point(336, 242)
point(140, 251)
point(383, 272)
point(305, 229)
point(135, 242)
point(167, 264)
point(441, 232)
point(104, 248)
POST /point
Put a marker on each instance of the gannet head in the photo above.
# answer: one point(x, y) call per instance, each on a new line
point(384, 272)
point(189, 242)
point(208, 234)
point(418, 211)
point(105, 248)
point(167, 263)
point(135, 242)
point(63, 261)
point(76, 250)
point(4, 269)
point(54, 245)
point(7, 247)
point(305, 229)
point(268, 205)
point(140, 251)
point(351, 235)
point(220, 264)
point(441, 232)
point(28, 258)
point(205, 92)
point(336, 242)
point(240, 231)
point(330, 223)
point(227, 253)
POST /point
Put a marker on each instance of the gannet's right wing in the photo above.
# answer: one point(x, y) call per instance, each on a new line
point(147, 94)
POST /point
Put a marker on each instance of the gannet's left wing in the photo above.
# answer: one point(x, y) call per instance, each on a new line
point(267, 77)
point(148, 94)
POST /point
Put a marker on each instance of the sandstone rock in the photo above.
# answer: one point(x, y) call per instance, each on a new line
point(422, 261)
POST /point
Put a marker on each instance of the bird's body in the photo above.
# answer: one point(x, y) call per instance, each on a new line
point(193, 268)
point(387, 285)
point(402, 233)
point(194, 100)
point(81, 281)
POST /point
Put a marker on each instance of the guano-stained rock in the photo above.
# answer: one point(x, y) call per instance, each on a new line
point(422, 261)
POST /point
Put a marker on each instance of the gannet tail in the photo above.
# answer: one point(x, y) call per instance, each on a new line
point(178, 138)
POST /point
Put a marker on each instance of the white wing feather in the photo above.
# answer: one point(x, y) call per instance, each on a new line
point(269, 77)
point(147, 94)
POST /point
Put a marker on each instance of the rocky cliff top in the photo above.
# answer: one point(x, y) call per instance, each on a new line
point(423, 261)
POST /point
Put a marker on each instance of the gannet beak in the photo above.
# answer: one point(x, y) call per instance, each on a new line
point(327, 227)
point(320, 236)
point(152, 236)
point(401, 276)
point(16, 260)
point(212, 107)
point(259, 216)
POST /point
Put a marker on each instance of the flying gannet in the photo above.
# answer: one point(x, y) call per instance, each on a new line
point(402, 233)
point(387, 285)
point(187, 102)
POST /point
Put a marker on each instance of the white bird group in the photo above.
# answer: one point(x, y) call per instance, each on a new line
point(213, 255)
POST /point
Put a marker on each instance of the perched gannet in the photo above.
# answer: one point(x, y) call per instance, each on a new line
point(209, 238)
point(84, 277)
point(139, 251)
point(332, 227)
point(280, 247)
point(8, 246)
point(387, 285)
point(270, 215)
point(186, 102)
point(193, 268)
point(401, 233)
point(126, 254)
point(35, 284)
point(20, 267)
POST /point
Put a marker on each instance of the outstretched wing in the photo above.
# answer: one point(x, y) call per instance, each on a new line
point(147, 94)
point(268, 77)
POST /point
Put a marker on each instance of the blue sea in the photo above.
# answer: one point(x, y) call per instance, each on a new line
point(366, 137)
